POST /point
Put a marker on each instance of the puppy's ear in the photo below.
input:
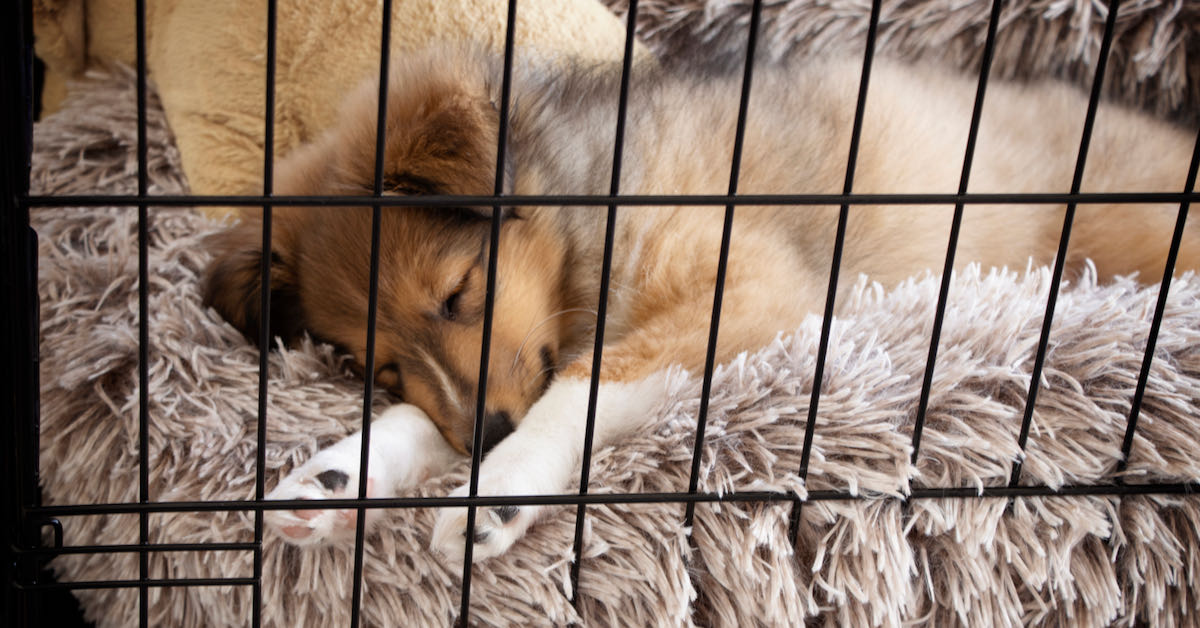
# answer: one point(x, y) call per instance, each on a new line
point(442, 140)
point(454, 152)
point(233, 283)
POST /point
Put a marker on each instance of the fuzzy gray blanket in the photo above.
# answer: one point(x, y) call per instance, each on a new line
point(1088, 561)
point(1154, 63)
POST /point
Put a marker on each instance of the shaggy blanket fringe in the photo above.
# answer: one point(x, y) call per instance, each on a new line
point(1080, 561)
point(1155, 62)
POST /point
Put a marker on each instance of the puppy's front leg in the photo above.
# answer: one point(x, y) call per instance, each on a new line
point(543, 456)
point(405, 449)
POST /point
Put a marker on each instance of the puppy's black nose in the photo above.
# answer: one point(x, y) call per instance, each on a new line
point(496, 426)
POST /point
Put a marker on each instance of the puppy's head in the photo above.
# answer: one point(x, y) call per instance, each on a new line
point(441, 139)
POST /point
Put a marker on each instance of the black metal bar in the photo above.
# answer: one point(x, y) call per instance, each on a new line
point(985, 66)
point(614, 188)
point(722, 262)
point(1160, 307)
point(836, 263)
point(360, 528)
point(1061, 257)
point(572, 499)
point(126, 549)
point(488, 311)
point(264, 334)
point(143, 318)
point(368, 394)
point(991, 492)
point(19, 325)
point(140, 583)
point(596, 200)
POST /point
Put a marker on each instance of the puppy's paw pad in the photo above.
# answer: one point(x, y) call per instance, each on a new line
point(315, 480)
point(505, 514)
point(496, 529)
point(332, 479)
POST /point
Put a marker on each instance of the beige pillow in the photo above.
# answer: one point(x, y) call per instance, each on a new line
point(207, 60)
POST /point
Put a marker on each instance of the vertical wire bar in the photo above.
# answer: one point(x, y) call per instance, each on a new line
point(360, 528)
point(143, 322)
point(22, 154)
point(989, 47)
point(19, 326)
point(488, 312)
point(368, 393)
point(602, 306)
point(1061, 258)
point(1159, 308)
point(836, 263)
point(264, 332)
point(722, 262)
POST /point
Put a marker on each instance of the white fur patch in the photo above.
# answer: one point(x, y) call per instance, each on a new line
point(444, 381)
point(543, 456)
point(405, 449)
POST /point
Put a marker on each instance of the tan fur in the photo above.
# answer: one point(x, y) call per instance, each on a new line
point(442, 127)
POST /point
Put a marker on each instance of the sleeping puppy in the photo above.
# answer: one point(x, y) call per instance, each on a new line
point(442, 129)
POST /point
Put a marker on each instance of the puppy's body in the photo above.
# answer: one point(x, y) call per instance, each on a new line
point(679, 140)
point(441, 140)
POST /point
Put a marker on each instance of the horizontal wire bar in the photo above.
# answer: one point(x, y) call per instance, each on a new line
point(134, 547)
point(67, 510)
point(129, 584)
point(974, 198)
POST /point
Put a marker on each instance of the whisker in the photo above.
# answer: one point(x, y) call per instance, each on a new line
point(529, 333)
point(548, 369)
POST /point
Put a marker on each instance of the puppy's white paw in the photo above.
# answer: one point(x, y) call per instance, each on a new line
point(406, 449)
point(496, 527)
point(331, 474)
point(541, 457)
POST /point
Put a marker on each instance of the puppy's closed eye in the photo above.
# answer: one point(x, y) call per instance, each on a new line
point(406, 184)
point(454, 306)
point(450, 307)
